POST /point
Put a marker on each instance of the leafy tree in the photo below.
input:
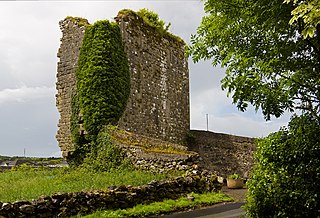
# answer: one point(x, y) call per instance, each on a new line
point(272, 59)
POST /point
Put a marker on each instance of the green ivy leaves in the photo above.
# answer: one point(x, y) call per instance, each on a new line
point(103, 78)
point(103, 85)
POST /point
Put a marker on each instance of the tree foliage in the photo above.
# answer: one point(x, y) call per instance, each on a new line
point(271, 51)
point(307, 13)
point(286, 179)
point(268, 62)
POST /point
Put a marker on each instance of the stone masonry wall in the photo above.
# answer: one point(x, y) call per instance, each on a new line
point(223, 154)
point(158, 105)
point(158, 162)
point(159, 102)
point(72, 35)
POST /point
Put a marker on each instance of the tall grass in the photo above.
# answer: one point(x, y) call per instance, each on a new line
point(30, 184)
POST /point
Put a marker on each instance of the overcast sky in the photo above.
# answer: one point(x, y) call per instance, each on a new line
point(29, 40)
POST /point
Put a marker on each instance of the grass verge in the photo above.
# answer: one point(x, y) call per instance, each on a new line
point(165, 207)
point(31, 184)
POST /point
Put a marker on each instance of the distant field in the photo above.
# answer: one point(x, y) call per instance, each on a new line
point(35, 159)
point(30, 184)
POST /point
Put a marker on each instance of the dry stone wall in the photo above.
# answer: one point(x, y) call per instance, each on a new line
point(160, 162)
point(158, 105)
point(72, 35)
point(71, 204)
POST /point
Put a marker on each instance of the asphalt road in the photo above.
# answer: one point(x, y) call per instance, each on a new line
point(229, 210)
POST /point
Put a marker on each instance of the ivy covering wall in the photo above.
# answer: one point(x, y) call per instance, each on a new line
point(103, 84)
point(103, 78)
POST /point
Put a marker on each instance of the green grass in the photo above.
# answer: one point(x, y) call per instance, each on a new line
point(31, 184)
point(167, 206)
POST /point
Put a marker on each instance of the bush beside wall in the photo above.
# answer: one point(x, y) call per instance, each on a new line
point(285, 181)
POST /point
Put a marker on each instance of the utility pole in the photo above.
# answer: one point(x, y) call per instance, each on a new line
point(207, 115)
point(24, 152)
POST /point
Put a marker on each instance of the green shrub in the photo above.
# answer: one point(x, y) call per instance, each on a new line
point(286, 180)
point(105, 156)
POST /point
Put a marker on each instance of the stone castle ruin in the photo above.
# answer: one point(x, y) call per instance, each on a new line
point(158, 103)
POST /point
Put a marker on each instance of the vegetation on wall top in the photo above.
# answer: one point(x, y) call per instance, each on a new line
point(152, 19)
point(148, 144)
point(78, 20)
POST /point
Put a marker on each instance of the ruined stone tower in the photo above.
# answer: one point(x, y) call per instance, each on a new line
point(158, 105)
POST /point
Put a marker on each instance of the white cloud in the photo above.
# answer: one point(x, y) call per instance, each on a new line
point(224, 116)
point(237, 124)
point(23, 94)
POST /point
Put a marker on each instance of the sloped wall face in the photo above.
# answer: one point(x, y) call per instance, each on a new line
point(159, 102)
point(72, 35)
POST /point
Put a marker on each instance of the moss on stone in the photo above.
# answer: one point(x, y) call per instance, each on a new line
point(148, 144)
